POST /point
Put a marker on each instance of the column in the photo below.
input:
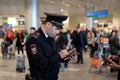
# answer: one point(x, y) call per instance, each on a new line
point(90, 23)
point(32, 18)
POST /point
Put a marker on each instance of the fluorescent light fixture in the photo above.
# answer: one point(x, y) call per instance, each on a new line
point(81, 24)
point(12, 21)
point(96, 21)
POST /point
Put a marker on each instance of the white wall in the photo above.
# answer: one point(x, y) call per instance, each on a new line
point(116, 20)
point(75, 20)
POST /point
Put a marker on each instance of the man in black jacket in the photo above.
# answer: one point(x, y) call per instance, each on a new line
point(113, 64)
point(41, 49)
point(114, 60)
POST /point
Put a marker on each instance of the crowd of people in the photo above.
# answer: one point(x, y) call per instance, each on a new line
point(17, 38)
point(49, 46)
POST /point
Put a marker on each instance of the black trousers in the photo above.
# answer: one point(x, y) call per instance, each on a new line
point(20, 47)
point(80, 56)
point(118, 77)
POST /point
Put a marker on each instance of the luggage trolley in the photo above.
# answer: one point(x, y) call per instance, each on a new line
point(7, 50)
point(4, 49)
point(11, 51)
point(97, 62)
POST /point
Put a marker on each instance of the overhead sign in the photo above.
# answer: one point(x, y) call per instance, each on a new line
point(103, 13)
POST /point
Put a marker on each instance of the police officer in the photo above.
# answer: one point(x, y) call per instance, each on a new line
point(43, 55)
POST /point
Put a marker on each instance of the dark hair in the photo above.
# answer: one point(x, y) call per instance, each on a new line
point(33, 28)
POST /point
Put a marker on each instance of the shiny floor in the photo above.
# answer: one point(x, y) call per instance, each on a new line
point(74, 72)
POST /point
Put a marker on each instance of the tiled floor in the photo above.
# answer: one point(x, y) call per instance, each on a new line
point(74, 72)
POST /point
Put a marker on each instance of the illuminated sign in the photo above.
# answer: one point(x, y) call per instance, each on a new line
point(103, 13)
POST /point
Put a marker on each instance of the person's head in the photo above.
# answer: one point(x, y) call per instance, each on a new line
point(20, 30)
point(32, 30)
point(10, 29)
point(78, 29)
point(53, 23)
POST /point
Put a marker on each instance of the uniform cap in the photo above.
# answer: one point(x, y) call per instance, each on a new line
point(56, 19)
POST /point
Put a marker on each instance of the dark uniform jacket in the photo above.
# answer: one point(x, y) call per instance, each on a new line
point(42, 56)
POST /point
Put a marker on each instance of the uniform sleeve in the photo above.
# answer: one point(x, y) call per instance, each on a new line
point(35, 54)
point(56, 58)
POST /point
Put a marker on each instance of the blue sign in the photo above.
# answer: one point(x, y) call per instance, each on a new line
point(103, 13)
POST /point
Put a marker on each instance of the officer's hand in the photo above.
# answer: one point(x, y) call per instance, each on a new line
point(86, 46)
point(68, 54)
point(63, 53)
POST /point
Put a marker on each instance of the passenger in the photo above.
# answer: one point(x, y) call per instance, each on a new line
point(63, 41)
point(113, 41)
point(20, 41)
point(113, 64)
point(114, 60)
point(90, 41)
point(32, 30)
point(81, 42)
point(9, 36)
point(43, 56)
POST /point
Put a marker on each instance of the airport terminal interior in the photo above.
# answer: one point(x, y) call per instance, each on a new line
point(100, 15)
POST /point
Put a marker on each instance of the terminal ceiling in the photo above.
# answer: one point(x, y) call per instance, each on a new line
point(70, 7)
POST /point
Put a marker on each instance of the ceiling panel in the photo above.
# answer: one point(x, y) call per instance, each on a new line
point(11, 7)
point(70, 7)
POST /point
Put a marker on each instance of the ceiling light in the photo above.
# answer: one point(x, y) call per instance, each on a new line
point(96, 21)
point(62, 10)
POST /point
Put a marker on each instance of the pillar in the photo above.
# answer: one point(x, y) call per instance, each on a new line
point(90, 23)
point(32, 18)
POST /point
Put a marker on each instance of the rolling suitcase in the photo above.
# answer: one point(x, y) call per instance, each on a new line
point(20, 67)
point(4, 52)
